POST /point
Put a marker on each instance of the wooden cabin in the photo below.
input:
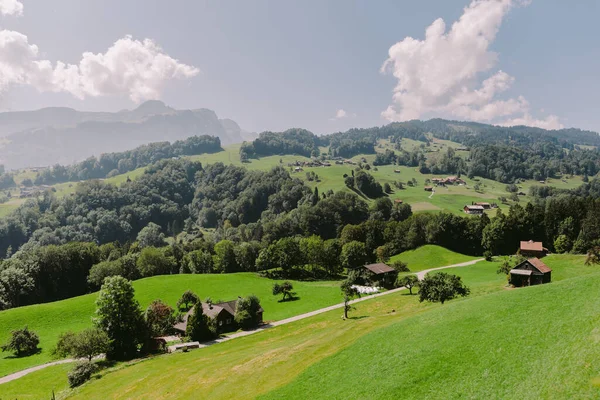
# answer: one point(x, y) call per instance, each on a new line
point(530, 272)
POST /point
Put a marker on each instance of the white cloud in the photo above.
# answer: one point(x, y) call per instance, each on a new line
point(11, 7)
point(139, 69)
point(341, 114)
point(442, 73)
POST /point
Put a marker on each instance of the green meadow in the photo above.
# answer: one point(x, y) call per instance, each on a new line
point(392, 347)
point(451, 198)
point(51, 319)
point(430, 256)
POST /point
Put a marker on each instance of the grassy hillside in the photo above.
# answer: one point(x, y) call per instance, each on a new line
point(51, 319)
point(452, 198)
point(275, 362)
point(533, 343)
point(430, 256)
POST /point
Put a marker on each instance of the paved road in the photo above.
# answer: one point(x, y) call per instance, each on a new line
point(420, 275)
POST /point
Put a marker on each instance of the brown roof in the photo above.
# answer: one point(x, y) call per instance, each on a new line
point(470, 207)
point(536, 262)
point(380, 268)
point(532, 246)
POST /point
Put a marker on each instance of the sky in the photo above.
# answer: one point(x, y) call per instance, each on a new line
point(321, 65)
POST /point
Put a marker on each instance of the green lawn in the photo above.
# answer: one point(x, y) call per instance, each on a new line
point(51, 319)
point(300, 360)
point(430, 256)
point(533, 343)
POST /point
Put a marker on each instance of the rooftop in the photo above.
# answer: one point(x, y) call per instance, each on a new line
point(379, 268)
point(531, 246)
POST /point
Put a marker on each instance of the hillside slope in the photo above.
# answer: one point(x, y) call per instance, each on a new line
point(532, 343)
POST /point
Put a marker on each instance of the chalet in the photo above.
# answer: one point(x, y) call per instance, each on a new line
point(222, 313)
point(530, 272)
point(298, 169)
point(397, 171)
point(473, 209)
point(532, 249)
point(428, 188)
point(486, 206)
point(381, 274)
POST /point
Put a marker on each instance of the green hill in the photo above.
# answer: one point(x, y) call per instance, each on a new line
point(51, 319)
point(430, 256)
point(534, 343)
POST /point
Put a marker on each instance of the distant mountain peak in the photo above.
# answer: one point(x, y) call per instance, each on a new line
point(151, 107)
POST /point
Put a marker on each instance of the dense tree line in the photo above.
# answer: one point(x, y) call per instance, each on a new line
point(111, 164)
point(292, 141)
point(263, 221)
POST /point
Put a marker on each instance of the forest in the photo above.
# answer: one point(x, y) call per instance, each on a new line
point(183, 217)
point(504, 154)
point(111, 164)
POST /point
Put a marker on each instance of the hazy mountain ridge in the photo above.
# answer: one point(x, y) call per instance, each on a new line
point(63, 135)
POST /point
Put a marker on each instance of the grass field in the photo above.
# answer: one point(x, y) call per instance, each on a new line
point(50, 319)
point(430, 256)
point(420, 350)
point(279, 363)
point(534, 343)
point(452, 198)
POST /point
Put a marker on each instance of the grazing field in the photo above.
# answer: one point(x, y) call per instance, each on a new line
point(279, 362)
point(451, 198)
point(533, 343)
point(51, 319)
point(430, 256)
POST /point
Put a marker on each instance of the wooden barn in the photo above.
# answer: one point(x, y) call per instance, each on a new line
point(381, 274)
point(530, 272)
point(532, 249)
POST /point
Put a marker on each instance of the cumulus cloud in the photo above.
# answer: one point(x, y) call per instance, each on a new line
point(11, 7)
point(342, 114)
point(139, 69)
point(442, 73)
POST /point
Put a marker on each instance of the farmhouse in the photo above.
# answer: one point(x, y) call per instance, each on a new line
point(486, 206)
point(381, 274)
point(532, 249)
point(530, 272)
point(222, 313)
point(472, 209)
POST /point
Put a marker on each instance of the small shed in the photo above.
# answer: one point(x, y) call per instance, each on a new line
point(532, 249)
point(381, 274)
point(530, 272)
point(428, 188)
point(474, 210)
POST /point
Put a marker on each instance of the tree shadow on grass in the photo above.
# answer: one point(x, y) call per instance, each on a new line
point(15, 356)
point(288, 300)
point(357, 318)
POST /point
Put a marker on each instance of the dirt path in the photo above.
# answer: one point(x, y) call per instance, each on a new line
point(24, 372)
point(420, 275)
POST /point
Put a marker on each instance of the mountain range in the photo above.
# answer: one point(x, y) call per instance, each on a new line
point(63, 135)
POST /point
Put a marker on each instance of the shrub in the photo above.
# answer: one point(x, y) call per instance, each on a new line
point(23, 342)
point(81, 373)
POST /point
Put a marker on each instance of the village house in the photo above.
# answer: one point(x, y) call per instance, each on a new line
point(486, 206)
point(530, 272)
point(532, 249)
point(381, 274)
point(473, 209)
point(222, 313)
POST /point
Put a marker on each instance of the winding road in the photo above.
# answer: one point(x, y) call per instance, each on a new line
point(420, 275)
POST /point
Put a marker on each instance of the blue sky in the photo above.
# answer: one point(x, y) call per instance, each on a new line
point(272, 65)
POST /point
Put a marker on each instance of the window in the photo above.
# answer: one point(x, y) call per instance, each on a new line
point(220, 323)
